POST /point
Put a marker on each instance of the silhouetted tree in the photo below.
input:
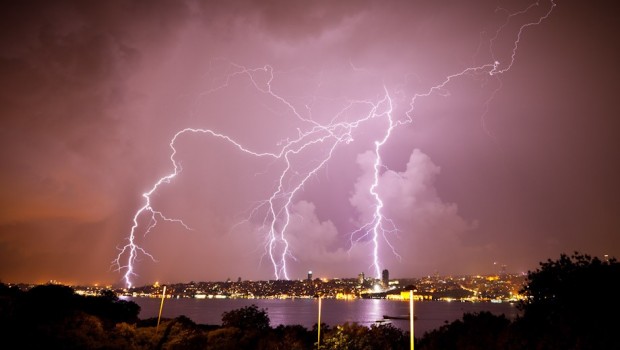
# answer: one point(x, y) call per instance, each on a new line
point(386, 336)
point(246, 318)
point(294, 337)
point(572, 303)
point(352, 336)
point(244, 328)
point(110, 308)
point(53, 316)
point(224, 339)
point(475, 331)
point(182, 333)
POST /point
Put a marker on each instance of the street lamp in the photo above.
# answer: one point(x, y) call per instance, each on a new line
point(318, 343)
point(411, 317)
point(161, 307)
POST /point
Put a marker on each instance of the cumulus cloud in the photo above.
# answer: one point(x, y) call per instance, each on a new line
point(427, 225)
point(317, 245)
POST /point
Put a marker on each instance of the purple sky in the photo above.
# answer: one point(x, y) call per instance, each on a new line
point(507, 169)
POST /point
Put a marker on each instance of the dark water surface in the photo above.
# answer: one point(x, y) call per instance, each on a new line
point(430, 314)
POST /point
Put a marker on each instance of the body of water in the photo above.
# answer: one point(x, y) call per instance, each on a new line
point(430, 314)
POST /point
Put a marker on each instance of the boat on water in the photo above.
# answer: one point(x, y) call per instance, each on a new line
point(403, 317)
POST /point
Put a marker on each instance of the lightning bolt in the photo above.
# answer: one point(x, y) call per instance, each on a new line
point(379, 227)
point(515, 45)
point(277, 215)
point(325, 138)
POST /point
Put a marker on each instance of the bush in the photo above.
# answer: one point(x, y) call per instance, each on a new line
point(246, 318)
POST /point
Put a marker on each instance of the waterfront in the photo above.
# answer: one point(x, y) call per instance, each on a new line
point(430, 314)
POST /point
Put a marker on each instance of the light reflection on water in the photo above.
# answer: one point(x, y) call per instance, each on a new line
point(430, 314)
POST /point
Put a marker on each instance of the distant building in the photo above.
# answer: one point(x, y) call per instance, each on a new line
point(385, 278)
point(309, 276)
point(360, 278)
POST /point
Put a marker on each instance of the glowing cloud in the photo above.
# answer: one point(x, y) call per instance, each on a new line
point(302, 154)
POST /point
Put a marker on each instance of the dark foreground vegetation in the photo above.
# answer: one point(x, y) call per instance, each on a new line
point(573, 303)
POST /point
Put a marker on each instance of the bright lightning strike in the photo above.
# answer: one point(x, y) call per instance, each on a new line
point(276, 220)
point(379, 227)
point(323, 137)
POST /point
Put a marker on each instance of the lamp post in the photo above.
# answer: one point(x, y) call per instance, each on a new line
point(318, 342)
point(411, 318)
point(161, 307)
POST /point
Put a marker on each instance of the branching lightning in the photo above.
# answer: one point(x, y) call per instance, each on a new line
point(275, 211)
point(380, 226)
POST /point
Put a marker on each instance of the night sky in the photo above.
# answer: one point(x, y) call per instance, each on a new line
point(506, 169)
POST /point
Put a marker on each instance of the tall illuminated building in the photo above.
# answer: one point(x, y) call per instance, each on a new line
point(385, 278)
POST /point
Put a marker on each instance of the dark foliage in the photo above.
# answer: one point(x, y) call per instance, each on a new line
point(475, 331)
point(573, 303)
point(352, 336)
point(290, 337)
point(53, 316)
point(110, 309)
point(246, 318)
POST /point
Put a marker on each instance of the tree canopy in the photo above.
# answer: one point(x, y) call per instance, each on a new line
point(246, 318)
point(573, 302)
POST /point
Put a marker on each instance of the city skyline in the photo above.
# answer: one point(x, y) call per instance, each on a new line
point(491, 169)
